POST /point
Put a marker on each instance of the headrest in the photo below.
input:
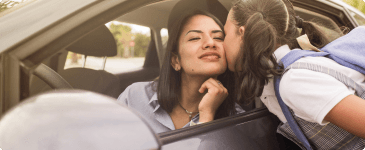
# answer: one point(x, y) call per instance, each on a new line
point(99, 42)
point(184, 7)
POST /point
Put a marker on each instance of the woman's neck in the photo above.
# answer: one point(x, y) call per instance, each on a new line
point(190, 96)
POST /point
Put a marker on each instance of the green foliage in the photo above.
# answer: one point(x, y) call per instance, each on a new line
point(358, 4)
point(123, 36)
point(141, 44)
point(120, 33)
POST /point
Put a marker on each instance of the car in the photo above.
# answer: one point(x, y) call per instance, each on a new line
point(45, 106)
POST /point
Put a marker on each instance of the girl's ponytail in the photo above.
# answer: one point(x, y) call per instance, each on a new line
point(314, 33)
point(257, 61)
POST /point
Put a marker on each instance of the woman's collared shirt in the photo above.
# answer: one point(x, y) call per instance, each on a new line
point(143, 99)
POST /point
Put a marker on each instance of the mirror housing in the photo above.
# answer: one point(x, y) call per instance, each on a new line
point(73, 120)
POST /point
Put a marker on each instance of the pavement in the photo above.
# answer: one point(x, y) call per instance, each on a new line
point(113, 65)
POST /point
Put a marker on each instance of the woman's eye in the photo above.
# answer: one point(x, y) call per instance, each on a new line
point(219, 38)
point(193, 39)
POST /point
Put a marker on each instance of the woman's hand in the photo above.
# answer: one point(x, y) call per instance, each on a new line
point(214, 97)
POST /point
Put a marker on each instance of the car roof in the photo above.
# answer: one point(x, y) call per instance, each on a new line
point(148, 15)
point(24, 24)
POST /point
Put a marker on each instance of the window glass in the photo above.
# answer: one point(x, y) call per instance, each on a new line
point(132, 43)
point(360, 20)
point(164, 35)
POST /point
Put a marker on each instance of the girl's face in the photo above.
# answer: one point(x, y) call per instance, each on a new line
point(201, 48)
point(232, 41)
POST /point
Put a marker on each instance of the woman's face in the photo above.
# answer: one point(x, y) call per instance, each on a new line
point(232, 41)
point(201, 48)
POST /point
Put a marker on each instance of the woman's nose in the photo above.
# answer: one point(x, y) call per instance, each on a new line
point(209, 43)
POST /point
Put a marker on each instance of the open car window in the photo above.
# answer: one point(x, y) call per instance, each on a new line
point(132, 43)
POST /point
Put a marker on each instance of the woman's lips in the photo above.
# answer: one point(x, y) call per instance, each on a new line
point(210, 58)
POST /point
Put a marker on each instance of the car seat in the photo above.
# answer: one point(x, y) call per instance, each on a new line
point(98, 43)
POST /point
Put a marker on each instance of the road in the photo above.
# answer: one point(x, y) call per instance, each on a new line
point(113, 65)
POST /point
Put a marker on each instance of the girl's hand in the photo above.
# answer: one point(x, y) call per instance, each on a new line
point(214, 97)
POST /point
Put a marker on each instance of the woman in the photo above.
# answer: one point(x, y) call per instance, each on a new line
point(188, 90)
point(261, 32)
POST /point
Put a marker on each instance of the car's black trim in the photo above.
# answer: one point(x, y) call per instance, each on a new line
point(183, 133)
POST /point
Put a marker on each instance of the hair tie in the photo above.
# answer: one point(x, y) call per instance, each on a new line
point(263, 15)
point(299, 22)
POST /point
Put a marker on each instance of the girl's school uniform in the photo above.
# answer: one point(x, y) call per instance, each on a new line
point(309, 94)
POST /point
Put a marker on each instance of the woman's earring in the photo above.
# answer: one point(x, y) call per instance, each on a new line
point(177, 69)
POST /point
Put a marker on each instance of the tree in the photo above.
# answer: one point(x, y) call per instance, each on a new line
point(122, 35)
point(141, 44)
point(358, 4)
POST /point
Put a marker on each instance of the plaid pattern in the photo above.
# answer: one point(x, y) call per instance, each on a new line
point(328, 136)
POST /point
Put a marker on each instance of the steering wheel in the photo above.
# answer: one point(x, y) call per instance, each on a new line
point(52, 78)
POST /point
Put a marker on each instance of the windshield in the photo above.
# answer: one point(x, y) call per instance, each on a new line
point(8, 6)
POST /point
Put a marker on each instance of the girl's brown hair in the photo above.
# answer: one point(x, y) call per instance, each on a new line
point(268, 24)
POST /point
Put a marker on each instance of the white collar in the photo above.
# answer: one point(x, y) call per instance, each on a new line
point(281, 52)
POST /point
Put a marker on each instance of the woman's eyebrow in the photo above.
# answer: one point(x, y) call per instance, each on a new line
point(198, 31)
point(217, 31)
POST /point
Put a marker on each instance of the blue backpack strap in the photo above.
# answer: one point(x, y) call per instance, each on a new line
point(289, 117)
point(349, 50)
point(287, 60)
point(296, 54)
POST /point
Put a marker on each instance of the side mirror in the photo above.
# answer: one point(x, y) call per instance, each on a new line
point(74, 120)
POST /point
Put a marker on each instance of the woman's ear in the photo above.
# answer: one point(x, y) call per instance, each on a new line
point(175, 63)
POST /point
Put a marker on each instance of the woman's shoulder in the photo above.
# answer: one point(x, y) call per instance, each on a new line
point(138, 89)
point(139, 85)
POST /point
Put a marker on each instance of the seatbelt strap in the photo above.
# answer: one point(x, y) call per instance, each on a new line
point(289, 117)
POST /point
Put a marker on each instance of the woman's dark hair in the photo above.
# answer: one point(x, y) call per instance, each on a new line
point(268, 24)
point(169, 81)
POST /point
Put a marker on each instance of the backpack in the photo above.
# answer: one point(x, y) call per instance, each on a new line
point(348, 51)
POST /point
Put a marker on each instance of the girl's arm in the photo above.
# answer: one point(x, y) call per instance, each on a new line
point(349, 114)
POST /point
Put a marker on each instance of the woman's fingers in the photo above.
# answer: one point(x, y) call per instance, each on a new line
point(215, 95)
point(214, 85)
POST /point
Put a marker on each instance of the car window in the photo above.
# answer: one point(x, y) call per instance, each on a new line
point(360, 19)
point(164, 35)
point(132, 43)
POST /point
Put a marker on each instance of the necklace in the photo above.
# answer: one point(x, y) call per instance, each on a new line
point(188, 112)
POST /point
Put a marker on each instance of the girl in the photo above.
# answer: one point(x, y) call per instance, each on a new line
point(261, 32)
